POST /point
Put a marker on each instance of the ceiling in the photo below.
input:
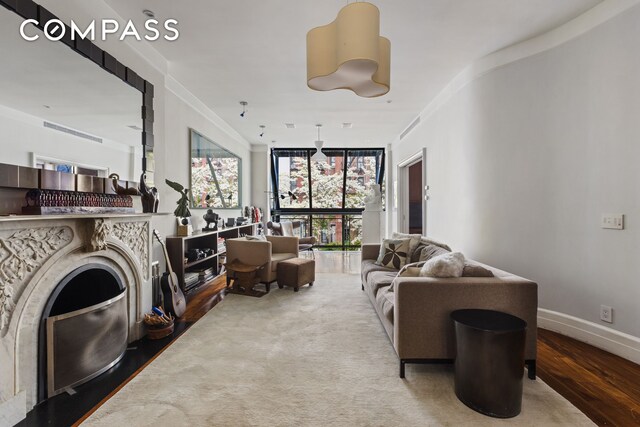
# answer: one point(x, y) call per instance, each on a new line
point(255, 51)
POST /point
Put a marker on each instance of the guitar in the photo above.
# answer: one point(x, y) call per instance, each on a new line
point(174, 300)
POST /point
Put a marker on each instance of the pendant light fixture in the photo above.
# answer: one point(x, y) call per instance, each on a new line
point(244, 108)
point(319, 155)
point(262, 127)
point(349, 53)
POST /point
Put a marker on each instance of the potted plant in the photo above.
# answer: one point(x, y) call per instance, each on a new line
point(182, 210)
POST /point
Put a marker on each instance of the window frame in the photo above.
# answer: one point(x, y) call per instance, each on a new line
point(276, 209)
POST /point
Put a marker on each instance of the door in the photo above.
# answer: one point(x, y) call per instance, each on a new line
point(415, 198)
point(412, 194)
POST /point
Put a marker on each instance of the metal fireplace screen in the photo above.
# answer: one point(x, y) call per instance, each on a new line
point(85, 343)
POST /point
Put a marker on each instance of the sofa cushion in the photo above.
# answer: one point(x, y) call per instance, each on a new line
point(369, 266)
point(430, 251)
point(446, 265)
point(380, 279)
point(384, 301)
point(276, 258)
point(393, 253)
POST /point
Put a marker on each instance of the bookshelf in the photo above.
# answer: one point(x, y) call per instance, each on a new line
point(209, 267)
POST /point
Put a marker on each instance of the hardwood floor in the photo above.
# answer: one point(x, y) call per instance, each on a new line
point(603, 386)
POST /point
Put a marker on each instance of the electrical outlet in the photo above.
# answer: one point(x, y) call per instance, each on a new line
point(612, 221)
point(606, 313)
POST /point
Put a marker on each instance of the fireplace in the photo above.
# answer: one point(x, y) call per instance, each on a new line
point(89, 269)
point(84, 329)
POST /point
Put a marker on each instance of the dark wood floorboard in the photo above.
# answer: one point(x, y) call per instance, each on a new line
point(603, 386)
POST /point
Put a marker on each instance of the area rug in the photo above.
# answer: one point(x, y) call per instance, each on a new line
point(317, 357)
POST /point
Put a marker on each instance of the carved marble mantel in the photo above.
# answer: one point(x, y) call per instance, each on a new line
point(36, 252)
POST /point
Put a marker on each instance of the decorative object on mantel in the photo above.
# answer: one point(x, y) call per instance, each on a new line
point(120, 189)
point(150, 197)
point(182, 211)
point(211, 218)
point(349, 53)
point(55, 202)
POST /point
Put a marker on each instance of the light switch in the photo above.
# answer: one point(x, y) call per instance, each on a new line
point(613, 221)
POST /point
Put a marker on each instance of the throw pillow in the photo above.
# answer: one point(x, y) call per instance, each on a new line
point(430, 251)
point(413, 243)
point(475, 270)
point(393, 253)
point(260, 237)
point(410, 270)
point(446, 265)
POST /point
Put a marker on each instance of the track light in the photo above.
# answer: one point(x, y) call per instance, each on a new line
point(244, 108)
point(262, 128)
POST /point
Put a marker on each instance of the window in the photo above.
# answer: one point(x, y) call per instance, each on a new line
point(293, 181)
point(363, 170)
point(327, 181)
point(215, 175)
point(341, 182)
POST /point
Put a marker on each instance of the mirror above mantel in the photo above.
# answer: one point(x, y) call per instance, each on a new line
point(70, 113)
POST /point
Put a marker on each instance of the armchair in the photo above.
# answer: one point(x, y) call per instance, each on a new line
point(260, 252)
point(288, 228)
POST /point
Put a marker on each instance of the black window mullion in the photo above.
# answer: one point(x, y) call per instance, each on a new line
point(344, 181)
point(274, 179)
point(309, 178)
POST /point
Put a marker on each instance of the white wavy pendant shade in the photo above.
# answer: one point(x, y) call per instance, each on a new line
point(349, 53)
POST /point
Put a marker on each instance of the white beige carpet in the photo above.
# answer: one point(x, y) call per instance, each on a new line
point(318, 357)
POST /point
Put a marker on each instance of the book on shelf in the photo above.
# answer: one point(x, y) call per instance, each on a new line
point(191, 278)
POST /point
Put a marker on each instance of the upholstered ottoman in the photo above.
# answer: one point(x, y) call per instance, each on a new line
point(296, 272)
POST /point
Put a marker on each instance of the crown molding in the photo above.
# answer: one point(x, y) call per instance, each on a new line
point(175, 87)
point(581, 24)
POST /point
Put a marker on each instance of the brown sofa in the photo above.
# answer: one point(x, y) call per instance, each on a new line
point(415, 310)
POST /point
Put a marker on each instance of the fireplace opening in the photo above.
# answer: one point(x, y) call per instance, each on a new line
point(84, 329)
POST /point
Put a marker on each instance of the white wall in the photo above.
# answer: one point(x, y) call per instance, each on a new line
point(261, 181)
point(22, 135)
point(182, 117)
point(523, 160)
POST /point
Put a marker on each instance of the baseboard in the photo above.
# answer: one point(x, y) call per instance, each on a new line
point(615, 342)
point(13, 411)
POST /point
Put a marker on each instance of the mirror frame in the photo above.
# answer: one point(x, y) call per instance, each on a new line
point(28, 9)
point(239, 181)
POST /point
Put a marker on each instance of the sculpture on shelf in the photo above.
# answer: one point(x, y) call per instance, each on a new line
point(373, 201)
point(120, 189)
point(182, 211)
point(149, 197)
point(211, 218)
